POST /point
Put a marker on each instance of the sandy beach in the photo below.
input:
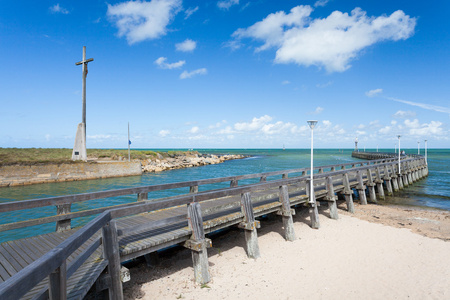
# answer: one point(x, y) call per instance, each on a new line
point(380, 252)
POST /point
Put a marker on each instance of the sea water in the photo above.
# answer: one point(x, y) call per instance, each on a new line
point(430, 192)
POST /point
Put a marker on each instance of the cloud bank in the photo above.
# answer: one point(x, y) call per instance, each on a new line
point(332, 42)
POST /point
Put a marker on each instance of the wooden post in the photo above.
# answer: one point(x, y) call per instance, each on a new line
point(331, 198)
point(361, 188)
point(370, 183)
point(348, 194)
point(234, 183)
point(142, 196)
point(379, 182)
point(249, 225)
point(284, 176)
point(400, 181)
point(286, 213)
point(193, 189)
point(63, 225)
point(313, 211)
point(111, 253)
point(263, 178)
point(198, 244)
point(58, 283)
point(394, 178)
point(387, 180)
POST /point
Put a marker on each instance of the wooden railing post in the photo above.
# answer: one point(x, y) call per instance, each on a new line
point(63, 225)
point(234, 183)
point(111, 253)
point(193, 189)
point(379, 182)
point(286, 213)
point(263, 179)
point(142, 196)
point(331, 198)
point(284, 176)
point(198, 244)
point(249, 225)
point(58, 283)
point(361, 188)
point(371, 185)
point(394, 177)
point(313, 211)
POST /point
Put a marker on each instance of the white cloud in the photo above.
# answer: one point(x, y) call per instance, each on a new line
point(401, 114)
point(255, 124)
point(324, 85)
point(47, 137)
point(423, 105)
point(56, 9)
point(373, 93)
point(161, 62)
point(285, 82)
point(434, 128)
point(187, 74)
point(139, 21)
point(188, 12)
point(194, 129)
point(218, 124)
point(164, 133)
point(318, 110)
point(186, 46)
point(385, 130)
point(331, 42)
point(320, 3)
point(226, 4)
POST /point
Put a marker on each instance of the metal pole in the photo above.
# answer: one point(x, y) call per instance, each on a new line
point(426, 161)
point(398, 154)
point(418, 147)
point(311, 175)
point(128, 141)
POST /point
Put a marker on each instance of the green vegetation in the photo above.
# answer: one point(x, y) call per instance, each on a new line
point(33, 156)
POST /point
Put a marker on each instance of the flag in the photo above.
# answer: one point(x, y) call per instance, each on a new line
point(129, 142)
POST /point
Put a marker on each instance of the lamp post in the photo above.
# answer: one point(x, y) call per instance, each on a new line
point(418, 147)
point(312, 124)
point(399, 153)
point(426, 161)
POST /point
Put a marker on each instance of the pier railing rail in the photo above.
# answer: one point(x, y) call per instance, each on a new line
point(54, 266)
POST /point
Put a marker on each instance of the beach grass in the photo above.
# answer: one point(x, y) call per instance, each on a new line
point(33, 156)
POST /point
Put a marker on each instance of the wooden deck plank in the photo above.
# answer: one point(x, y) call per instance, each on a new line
point(12, 260)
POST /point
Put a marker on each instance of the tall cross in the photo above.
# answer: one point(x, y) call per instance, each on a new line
point(84, 63)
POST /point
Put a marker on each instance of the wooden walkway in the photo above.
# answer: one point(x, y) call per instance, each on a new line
point(65, 264)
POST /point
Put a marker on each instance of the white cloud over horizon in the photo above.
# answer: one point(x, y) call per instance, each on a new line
point(139, 21)
point(161, 62)
point(189, 12)
point(164, 132)
point(187, 46)
point(186, 74)
point(331, 42)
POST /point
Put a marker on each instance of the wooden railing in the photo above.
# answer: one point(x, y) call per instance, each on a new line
point(53, 264)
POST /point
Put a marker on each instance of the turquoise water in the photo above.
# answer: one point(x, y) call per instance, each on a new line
point(433, 191)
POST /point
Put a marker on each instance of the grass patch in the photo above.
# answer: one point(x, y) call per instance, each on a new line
point(34, 156)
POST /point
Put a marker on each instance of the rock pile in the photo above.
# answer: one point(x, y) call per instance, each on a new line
point(161, 163)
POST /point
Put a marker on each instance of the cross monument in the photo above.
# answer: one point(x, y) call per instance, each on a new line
point(79, 148)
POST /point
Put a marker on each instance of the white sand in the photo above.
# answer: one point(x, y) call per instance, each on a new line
point(344, 259)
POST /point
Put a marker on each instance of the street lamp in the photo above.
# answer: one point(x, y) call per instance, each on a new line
point(418, 147)
point(426, 162)
point(312, 124)
point(399, 153)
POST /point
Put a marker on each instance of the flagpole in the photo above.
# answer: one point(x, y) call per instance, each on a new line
point(128, 141)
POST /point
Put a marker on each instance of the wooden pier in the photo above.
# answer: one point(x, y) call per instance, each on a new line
point(66, 263)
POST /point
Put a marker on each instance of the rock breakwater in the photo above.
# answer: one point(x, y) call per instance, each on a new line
point(180, 161)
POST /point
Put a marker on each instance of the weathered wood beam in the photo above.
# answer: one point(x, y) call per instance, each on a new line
point(286, 214)
point(250, 226)
point(111, 253)
point(312, 204)
point(331, 198)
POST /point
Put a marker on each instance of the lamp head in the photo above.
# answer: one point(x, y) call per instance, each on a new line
point(399, 136)
point(312, 123)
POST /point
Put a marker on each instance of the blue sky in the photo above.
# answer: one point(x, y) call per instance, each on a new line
point(226, 74)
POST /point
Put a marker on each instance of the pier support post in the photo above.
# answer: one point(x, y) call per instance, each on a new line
point(198, 244)
point(313, 211)
point(361, 188)
point(371, 185)
point(394, 178)
point(348, 194)
point(331, 198)
point(111, 253)
point(387, 180)
point(142, 196)
point(58, 283)
point(400, 181)
point(286, 213)
point(379, 183)
point(249, 225)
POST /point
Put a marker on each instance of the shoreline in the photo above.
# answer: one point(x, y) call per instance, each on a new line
point(392, 258)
